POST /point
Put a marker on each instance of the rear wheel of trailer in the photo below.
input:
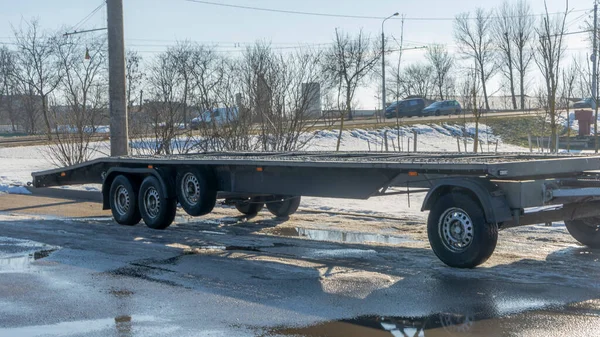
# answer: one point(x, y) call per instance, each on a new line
point(196, 191)
point(124, 201)
point(586, 231)
point(156, 209)
point(281, 206)
point(458, 232)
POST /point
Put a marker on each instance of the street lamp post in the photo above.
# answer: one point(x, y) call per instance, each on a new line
point(383, 63)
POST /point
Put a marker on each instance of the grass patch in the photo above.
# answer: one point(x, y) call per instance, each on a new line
point(515, 130)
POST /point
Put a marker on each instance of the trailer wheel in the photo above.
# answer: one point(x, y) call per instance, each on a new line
point(283, 206)
point(586, 231)
point(157, 211)
point(458, 232)
point(123, 201)
point(196, 192)
point(250, 207)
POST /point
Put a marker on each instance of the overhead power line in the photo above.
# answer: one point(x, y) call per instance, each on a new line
point(88, 17)
point(285, 11)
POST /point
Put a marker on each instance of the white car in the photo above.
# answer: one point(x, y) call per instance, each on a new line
point(216, 116)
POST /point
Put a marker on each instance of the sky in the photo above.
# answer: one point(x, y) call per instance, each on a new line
point(152, 25)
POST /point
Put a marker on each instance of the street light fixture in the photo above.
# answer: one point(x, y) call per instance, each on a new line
point(383, 62)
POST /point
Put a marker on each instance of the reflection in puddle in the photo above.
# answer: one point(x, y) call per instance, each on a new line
point(439, 324)
point(124, 326)
point(342, 236)
point(22, 262)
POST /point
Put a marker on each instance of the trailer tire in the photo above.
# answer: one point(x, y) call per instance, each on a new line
point(586, 231)
point(196, 191)
point(458, 232)
point(283, 206)
point(250, 207)
point(123, 198)
point(156, 209)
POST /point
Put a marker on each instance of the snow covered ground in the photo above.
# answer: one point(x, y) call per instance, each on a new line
point(19, 162)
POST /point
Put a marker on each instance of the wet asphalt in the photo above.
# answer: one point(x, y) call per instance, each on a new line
point(92, 277)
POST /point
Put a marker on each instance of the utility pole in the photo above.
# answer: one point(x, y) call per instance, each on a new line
point(383, 62)
point(119, 139)
point(595, 76)
point(141, 99)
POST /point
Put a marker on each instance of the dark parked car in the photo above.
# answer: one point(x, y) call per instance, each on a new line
point(587, 103)
point(405, 108)
point(442, 108)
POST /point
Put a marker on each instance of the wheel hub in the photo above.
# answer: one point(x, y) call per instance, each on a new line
point(122, 200)
point(190, 186)
point(456, 229)
point(152, 202)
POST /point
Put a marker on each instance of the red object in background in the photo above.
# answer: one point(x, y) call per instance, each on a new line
point(585, 118)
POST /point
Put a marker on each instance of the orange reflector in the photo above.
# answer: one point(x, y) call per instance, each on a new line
point(259, 169)
point(413, 174)
point(63, 174)
point(150, 166)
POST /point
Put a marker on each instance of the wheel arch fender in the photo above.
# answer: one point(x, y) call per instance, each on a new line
point(491, 198)
point(136, 174)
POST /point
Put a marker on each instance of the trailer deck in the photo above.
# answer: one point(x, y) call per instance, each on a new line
point(498, 166)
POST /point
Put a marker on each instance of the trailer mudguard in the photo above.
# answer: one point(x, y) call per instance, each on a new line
point(490, 196)
point(166, 180)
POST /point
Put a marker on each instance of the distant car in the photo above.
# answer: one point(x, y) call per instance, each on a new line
point(442, 108)
point(405, 108)
point(216, 116)
point(587, 103)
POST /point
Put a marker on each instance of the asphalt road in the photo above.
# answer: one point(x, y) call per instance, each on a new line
point(67, 270)
point(361, 122)
point(372, 122)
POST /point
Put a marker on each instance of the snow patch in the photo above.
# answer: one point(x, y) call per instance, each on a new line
point(13, 189)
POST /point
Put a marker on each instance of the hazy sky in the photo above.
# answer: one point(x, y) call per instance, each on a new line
point(151, 25)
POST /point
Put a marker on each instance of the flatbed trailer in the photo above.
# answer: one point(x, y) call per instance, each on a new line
point(469, 196)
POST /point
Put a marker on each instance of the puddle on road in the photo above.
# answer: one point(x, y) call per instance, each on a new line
point(341, 236)
point(22, 262)
point(17, 254)
point(123, 326)
point(558, 322)
point(442, 324)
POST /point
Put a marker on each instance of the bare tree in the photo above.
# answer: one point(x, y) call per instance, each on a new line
point(550, 51)
point(503, 32)
point(568, 84)
point(522, 35)
point(208, 72)
point(83, 87)
point(416, 79)
point(8, 86)
point(346, 65)
point(134, 78)
point(441, 62)
point(183, 55)
point(39, 68)
point(165, 106)
point(476, 42)
point(282, 92)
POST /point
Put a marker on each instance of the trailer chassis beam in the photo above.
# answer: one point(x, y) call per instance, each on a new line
point(566, 212)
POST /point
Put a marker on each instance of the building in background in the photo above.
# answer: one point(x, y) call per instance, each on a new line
point(311, 93)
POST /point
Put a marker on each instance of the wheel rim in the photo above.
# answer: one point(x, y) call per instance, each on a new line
point(456, 229)
point(190, 186)
point(122, 200)
point(152, 202)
